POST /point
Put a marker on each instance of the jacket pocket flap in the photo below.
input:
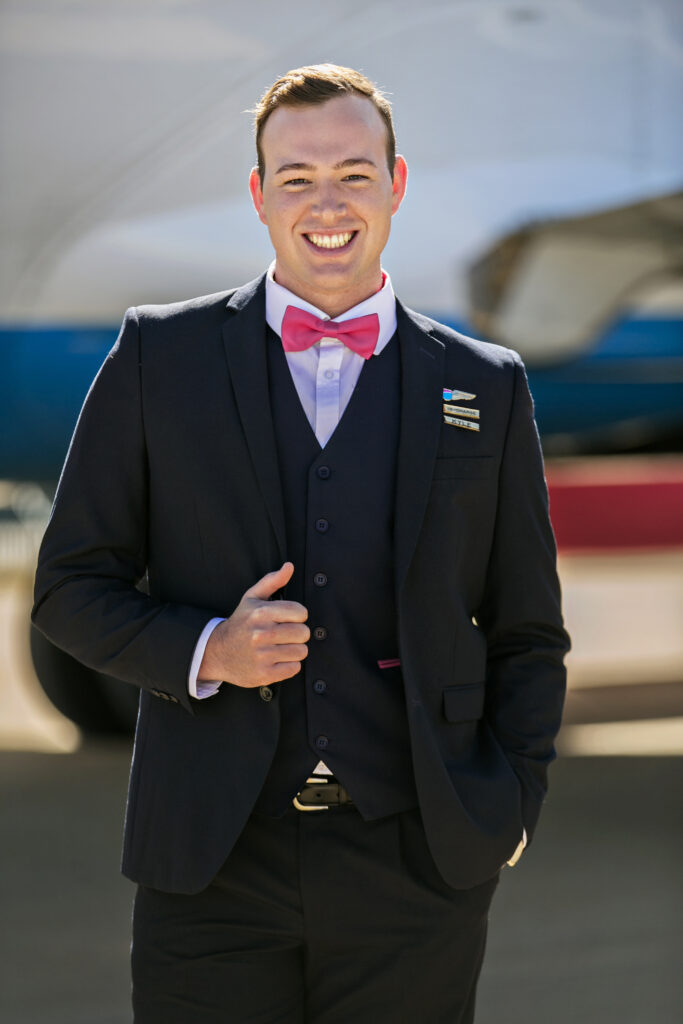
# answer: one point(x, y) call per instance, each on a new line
point(464, 703)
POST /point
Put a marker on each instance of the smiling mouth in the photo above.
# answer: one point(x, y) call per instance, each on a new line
point(327, 242)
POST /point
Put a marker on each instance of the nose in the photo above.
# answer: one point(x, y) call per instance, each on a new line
point(329, 203)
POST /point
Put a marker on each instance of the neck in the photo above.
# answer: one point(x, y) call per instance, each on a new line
point(332, 305)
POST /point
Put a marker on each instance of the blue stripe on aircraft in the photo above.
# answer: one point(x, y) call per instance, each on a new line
point(632, 375)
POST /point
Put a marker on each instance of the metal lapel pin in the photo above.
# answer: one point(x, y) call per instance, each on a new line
point(459, 415)
point(453, 395)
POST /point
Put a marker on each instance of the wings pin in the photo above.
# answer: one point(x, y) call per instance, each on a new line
point(451, 395)
point(459, 415)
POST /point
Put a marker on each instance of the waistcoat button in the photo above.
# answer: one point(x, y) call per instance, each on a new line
point(322, 525)
point(320, 686)
point(322, 742)
point(265, 693)
point(323, 472)
point(320, 633)
point(320, 579)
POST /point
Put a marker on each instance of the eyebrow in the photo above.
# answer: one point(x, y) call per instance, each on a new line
point(352, 161)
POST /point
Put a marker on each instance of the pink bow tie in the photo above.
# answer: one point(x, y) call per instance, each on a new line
point(300, 330)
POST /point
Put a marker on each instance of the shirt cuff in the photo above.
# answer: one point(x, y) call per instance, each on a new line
point(205, 687)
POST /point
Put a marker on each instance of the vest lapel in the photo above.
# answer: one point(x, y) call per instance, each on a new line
point(244, 337)
point(422, 361)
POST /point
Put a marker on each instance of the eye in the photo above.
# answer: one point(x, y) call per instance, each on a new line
point(296, 181)
point(357, 177)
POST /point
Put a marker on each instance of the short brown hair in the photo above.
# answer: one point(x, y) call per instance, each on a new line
point(316, 84)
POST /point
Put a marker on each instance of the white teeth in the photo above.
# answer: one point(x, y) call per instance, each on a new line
point(331, 241)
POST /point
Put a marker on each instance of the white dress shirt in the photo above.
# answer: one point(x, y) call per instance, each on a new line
point(325, 377)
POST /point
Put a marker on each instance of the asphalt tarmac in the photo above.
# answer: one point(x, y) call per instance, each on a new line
point(586, 928)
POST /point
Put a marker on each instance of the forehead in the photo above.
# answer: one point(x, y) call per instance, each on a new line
point(324, 133)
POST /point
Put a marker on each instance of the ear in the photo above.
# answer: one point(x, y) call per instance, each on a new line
point(257, 193)
point(399, 184)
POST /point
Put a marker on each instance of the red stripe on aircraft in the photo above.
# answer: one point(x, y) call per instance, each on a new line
point(617, 503)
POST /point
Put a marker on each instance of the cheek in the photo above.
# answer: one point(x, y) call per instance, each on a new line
point(280, 217)
point(381, 212)
point(381, 221)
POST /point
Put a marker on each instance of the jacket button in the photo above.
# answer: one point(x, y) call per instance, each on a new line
point(322, 525)
point(320, 579)
point(323, 472)
point(322, 742)
point(265, 693)
point(320, 686)
point(320, 633)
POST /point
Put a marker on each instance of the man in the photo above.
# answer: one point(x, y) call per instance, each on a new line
point(339, 511)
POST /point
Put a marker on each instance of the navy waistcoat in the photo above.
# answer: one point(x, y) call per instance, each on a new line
point(342, 707)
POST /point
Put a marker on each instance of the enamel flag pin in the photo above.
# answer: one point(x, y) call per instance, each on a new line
point(451, 395)
point(459, 415)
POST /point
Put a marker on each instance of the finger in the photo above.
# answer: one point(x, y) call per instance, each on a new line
point(284, 670)
point(283, 653)
point(268, 633)
point(269, 612)
point(271, 582)
point(275, 673)
point(290, 633)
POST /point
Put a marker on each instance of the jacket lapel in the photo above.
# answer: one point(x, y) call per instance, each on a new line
point(422, 368)
point(244, 338)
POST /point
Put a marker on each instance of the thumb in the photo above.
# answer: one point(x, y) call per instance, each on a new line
point(271, 582)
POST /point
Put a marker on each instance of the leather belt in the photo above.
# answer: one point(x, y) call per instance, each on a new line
point(321, 794)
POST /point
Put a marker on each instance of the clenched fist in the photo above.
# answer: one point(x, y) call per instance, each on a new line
point(262, 641)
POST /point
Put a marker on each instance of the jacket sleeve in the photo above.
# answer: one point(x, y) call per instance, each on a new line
point(94, 552)
point(520, 612)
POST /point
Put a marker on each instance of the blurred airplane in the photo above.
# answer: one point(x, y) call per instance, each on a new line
point(544, 208)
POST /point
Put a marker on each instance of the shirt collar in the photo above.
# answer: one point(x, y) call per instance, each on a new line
point(383, 303)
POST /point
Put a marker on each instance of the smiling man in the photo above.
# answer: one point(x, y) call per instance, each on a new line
point(327, 187)
point(349, 643)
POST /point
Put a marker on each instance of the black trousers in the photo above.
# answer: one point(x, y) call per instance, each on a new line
point(315, 918)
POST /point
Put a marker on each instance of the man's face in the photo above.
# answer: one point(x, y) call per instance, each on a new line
point(327, 199)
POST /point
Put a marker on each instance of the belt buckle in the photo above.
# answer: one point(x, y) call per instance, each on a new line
point(311, 807)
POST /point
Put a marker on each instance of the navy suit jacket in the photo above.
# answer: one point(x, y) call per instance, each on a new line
point(172, 479)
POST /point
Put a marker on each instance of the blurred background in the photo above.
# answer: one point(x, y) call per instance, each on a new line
point(544, 212)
